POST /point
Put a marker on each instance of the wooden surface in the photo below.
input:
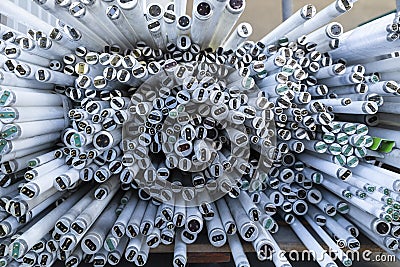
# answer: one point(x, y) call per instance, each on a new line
point(285, 237)
point(211, 257)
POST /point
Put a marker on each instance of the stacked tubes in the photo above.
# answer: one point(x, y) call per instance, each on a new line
point(128, 126)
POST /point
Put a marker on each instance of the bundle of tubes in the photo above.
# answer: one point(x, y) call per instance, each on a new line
point(132, 125)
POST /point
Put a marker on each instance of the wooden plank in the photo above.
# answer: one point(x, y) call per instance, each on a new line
point(285, 237)
point(210, 257)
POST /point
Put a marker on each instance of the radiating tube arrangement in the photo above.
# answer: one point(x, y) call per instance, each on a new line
point(133, 125)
